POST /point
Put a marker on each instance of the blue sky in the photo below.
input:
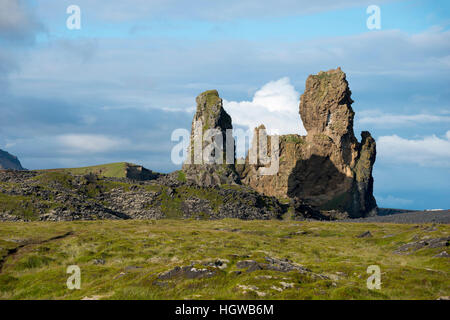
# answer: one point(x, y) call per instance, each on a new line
point(116, 89)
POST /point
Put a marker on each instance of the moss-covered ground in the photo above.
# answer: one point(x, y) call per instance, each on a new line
point(122, 259)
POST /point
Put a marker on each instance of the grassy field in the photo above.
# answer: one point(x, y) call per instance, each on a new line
point(122, 260)
point(110, 170)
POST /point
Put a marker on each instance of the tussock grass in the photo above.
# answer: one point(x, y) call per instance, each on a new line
point(135, 252)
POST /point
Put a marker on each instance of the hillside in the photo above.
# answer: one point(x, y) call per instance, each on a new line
point(111, 170)
point(8, 161)
point(60, 195)
point(222, 259)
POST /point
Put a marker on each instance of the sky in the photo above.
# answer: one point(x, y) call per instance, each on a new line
point(115, 89)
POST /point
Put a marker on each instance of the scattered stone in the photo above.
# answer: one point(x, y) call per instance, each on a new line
point(286, 285)
point(333, 277)
point(276, 288)
point(216, 263)
point(245, 264)
point(427, 243)
point(239, 256)
point(244, 287)
point(251, 288)
point(92, 298)
point(274, 264)
point(120, 275)
point(365, 234)
point(303, 232)
point(132, 268)
point(188, 272)
point(431, 228)
point(443, 254)
point(98, 261)
point(284, 265)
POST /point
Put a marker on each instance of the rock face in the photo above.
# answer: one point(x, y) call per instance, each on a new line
point(8, 161)
point(328, 168)
point(209, 127)
point(137, 172)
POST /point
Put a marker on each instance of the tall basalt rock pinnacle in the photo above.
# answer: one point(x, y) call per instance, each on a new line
point(328, 168)
point(210, 126)
point(335, 171)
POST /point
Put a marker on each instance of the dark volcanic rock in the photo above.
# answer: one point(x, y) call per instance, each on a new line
point(271, 264)
point(366, 234)
point(428, 243)
point(188, 272)
point(443, 254)
point(56, 196)
point(8, 161)
point(274, 264)
point(136, 172)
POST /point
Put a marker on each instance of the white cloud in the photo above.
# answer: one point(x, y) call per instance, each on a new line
point(89, 143)
point(430, 151)
point(275, 105)
point(386, 119)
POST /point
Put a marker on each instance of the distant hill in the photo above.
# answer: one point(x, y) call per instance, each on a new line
point(8, 161)
point(113, 170)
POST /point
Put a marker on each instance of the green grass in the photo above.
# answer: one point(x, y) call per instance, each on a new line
point(293, 138)
point(181, 176)
point(135, 252)
point(18, 205)
point(110, 170)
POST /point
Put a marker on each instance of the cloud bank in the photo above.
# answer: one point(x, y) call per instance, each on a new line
point(90, 143)
point(387, 119)
point(119, 11)
point(275, 105)
point(430, 151)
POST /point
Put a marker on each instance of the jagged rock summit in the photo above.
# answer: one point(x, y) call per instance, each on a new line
point(335, 170)
point(8, 161)
point(328, 169)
